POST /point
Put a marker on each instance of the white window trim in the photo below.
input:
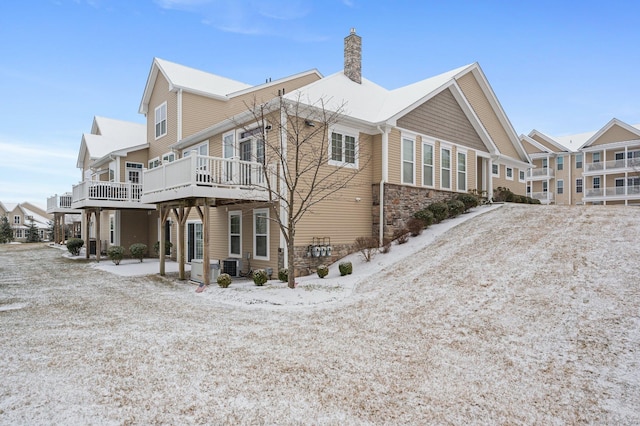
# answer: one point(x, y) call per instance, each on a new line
point(581, 186)
point(16, 219)
point(466, 167)
point(234, 148)
point(506, 173)
point(187, 151)
point(231, 214)
point(112, 229)
point(155, 121)
point(153, 163)
point(168, 157)
point(448, 148)
point(581, 161)
point(345, 131)
point(593, 182)
point(497, 167)
point(433, 164)
point(522, 175)
point(560, 185)
point(255, 213)
point(412, 139)
point(560, 162)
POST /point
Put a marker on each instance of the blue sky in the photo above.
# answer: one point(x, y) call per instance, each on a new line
point(561, 67)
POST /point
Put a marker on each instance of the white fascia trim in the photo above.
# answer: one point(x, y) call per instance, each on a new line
point(612, 145)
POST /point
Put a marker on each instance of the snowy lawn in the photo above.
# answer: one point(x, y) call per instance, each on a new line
point(512, 314)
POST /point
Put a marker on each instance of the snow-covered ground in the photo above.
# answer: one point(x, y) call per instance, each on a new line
point(511, 314)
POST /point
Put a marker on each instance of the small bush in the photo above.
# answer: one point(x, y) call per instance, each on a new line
point(167, 247)
point(138, 250)
point(470, 201)
point(323, 271)
point(346, 268)
point(386, 245)
point(440, 211)
point(260, 277)
point(456, 208)
point(426, 216)
point(283, 275)
point(224, 280)
point(367, 246)
point(74, 245)
point(401, 236)
point(115, 253)
point(415, 226)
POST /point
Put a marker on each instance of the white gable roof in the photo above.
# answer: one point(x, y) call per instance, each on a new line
point(114, 135)
point(576, 141)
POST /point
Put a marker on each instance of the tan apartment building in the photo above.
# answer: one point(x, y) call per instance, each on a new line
point(22, 215)
point(599, 167)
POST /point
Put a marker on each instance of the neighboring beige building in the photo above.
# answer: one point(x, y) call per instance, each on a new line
point(22, 215)
point(600, 167)
point(196, 173)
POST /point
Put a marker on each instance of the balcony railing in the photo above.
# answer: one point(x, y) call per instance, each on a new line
point(107, 191)
point(541, 172)
point(613, 165)
point(59, 202)
point(543, 196)
point(200, 170)
point(613, 192)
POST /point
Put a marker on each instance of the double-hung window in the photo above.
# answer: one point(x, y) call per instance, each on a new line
point(343, 149)
point(235, 233)
point(408, 160)
point(560, 163)
point(522, 175)
point(427, 164)
point(596, 182)
point(578, 161)
point(445, 168)
point(462, 171)
point(560, 187)
point(495, 170)
point(16, 220)
point(261, 234)
point(509, 173)
point(579, 186)
point(161, 120)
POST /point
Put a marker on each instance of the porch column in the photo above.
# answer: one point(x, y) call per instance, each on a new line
point(86, 234)
point(181, 215)
point(164, 212)
point(98, 241)
point(61, 229)
point(490, 180)
point(204, 217)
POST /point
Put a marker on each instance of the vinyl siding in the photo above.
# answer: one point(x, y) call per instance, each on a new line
point(486, 114)
point(615, 134)
point(160, 95)
point(442, 117)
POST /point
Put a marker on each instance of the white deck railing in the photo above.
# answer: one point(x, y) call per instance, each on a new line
point(108, 191)
point(542, 196)
point(202, 170)
point(59, 202)
point(613, 165)
point(541, 172)
point(614, 191)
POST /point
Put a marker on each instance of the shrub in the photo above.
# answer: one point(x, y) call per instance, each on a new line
point(74, 245)
point(401, 236)
point(323, 271)
point(167, 247)
point(260, 277)
point(283, 275)
point(440, 211)
point(503, 194)
point(138, 250)
point(367, 246)
point(386, 245)
point(224, 280)
point(415, 226)
point(470, 201)
point(456, 208)
point(115, 253)
point(346, 268)
point(426, 216)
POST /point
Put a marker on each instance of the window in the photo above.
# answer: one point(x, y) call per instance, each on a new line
point(16, 220)
point(18, 233)
point(202, 149)
point(134, 170)
point(596, 157)
point(427, 164)
point(235, 233)
point(545, 187)
point(521, 176)
point(408, 155)
point(579, 186)
point(445, 168)
point(619, 186)
point(495, 170)
point(528, 189)
point(560, 185)
point(112, 229)
point(169, 157)
point(509, 173)
point(596, 182)
point(228, 150)
point(154, 162)
point(560, 163)
point(578, 161)
point(343, 149)
point(161, 120)
point(112, 174)
point(261, 234)
point(545, 163)
point(462, 171)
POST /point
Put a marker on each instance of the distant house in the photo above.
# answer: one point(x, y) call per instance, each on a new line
point(598, 167)
point(22, 215)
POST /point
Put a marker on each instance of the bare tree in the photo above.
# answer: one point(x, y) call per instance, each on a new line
point(297, 139)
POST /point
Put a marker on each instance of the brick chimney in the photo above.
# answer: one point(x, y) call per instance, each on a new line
point(353, 56)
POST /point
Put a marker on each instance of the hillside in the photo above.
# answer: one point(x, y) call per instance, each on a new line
point(523, 314)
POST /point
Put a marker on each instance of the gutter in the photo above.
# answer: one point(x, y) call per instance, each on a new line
point(385, 177)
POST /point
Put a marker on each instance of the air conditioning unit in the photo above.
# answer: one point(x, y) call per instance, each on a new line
point(232, 267)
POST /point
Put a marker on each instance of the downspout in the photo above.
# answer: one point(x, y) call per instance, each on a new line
point(284, 213)
point(384, 178)
point(179, 113)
